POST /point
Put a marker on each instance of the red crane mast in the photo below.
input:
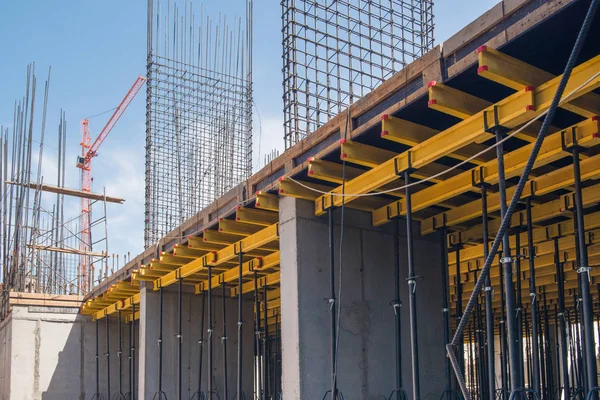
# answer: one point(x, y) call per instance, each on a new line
point(88, 151)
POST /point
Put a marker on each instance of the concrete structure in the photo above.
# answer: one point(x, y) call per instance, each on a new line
point(191, 323)
point(366, 341)
point(280, 223)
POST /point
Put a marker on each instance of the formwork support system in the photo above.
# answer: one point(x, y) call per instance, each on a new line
point(257, 344)
point(332, 307)
point(489, 311)
point(583, 272)
point(564, 82)
point(106, 320)
point(239, 392)
point(160, 395)
point(224, 341)
point(398, 393)
point(179, 337)
point(412, 292)
point(535, 372)
point(448, 392)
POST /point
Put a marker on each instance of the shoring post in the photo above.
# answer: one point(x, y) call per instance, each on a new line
point(535, 381)
point(129, 394)
point(503, 344)
point(489, 308)
point(514, 356)
point(97, 394)
point(397, 308)
point(257, 346)
point(580, 347)
point(210, 330)
point(519, 298)
point(527, 353)
point(120, 352)
point(541, 352)
point(445, 310)
point(332, 306)
point(564, 351)
point(548, 354)
point(459, 307)
point(132, 353)
point(412, 292)
point(107, 356)
point(265, 345)
point(239, 392)
point(584, 278)
point(201, 344)
point(558, 351)
point(481, 368)
point(160, 344)
point(277, 374)
point(224, 341)
point(179, 337)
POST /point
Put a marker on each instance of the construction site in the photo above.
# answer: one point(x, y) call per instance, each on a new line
point(431, 230)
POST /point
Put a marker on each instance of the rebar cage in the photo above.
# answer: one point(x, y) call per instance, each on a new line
point(198, 115)
point(335, 52)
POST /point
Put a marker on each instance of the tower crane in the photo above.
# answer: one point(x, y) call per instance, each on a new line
point(88, 151)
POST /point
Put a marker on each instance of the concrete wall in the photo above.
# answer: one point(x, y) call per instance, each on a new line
point(5, 355)
point(366, 364)
point(48, 353)
point(192, 307)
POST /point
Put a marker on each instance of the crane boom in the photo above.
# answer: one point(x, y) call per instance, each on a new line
point(112, 121)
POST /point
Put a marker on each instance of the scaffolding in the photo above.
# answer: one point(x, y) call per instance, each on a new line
point(198, 114)
point(40, 240)
point(335, 52)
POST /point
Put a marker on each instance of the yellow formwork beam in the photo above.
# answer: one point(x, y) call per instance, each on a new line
point(247, 287)
point(371, 157)
point(262, 239)
point(565, 244)
point(256, 216)
point(540, 212)
point(189, 252)
point(237, 228)
point(463, 105)
point(117, 306)
point(272, 305)
point(259, 264)
point(267, 201)
point(198, 243)
point(510, 113)
point(539, 186)
point(547, 280)
point(542, 234)
point(290, 188)
point(402, 131)
point(552, 150)
point(333, 172)
point(453, 101)
point(216, 237)
point(136, 317)
point(509, 71)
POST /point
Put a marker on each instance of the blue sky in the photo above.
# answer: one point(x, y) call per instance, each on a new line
point(98, 48)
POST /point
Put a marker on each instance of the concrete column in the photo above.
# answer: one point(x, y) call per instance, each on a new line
point(191, 313)
point(148, 347)
point(366, 363)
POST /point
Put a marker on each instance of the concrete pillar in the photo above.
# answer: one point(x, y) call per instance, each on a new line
point(148, 349)
point(366, 364)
